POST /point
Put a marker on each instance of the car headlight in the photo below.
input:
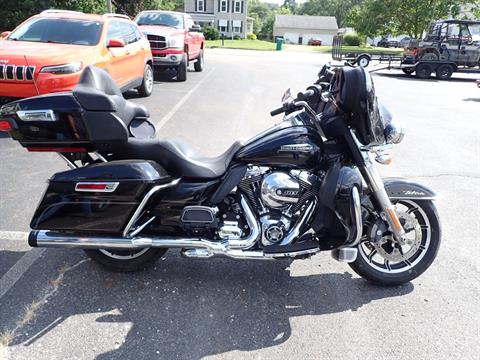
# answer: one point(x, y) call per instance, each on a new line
point(62, 69)
point(394, 133)
point(175, 42)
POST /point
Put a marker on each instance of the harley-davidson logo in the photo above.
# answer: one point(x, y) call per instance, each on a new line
point(302, 148)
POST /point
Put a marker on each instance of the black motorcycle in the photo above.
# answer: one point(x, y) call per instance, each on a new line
point(306, 185)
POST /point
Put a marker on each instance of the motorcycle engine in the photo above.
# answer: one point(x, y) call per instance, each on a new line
point(279, 197)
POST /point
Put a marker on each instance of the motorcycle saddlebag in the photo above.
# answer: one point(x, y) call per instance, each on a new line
point(97, 198)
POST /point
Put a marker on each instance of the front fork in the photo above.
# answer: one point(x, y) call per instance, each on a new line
point(376, 186)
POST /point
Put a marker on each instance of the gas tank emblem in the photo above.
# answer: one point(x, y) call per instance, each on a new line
point(300, 148)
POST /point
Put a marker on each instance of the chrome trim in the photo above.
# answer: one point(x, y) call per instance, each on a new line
point(70, 164)
point(358, 215)
point(100, 157)
point(347, 254)
point(144, 201)
point(110, 186)
point(37, 115)
point(141, 227)
point(295, 232)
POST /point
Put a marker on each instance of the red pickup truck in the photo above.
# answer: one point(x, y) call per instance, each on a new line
point(174, 40)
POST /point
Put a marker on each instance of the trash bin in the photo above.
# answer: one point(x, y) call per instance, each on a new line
point(279, 44)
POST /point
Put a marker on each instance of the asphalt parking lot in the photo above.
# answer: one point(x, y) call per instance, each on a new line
point(56, 304)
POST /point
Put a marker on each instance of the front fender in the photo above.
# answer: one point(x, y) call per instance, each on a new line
point(401, 188)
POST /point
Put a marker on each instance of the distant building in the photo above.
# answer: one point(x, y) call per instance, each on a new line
point(299, 29)
point(228, 16)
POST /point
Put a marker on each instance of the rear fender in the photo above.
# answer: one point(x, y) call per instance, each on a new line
point(400, 188)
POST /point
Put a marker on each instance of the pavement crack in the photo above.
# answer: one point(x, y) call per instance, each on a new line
point(31, 310)
point(467, 176)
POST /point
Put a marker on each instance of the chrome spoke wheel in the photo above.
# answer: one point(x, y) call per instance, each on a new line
point(386, 255)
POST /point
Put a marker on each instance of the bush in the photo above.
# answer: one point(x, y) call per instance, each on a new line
point(352, 40)
point(211, 33)
point(251, 37)
point(237, 37)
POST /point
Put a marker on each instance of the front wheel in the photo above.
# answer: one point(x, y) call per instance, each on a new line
point(387, 263)
point(183, 68)
point(126, 260)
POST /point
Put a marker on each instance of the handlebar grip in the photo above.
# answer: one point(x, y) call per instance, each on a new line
point(305, 95)
point(277, 111)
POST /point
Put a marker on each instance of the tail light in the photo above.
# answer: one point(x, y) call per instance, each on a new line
point(415, 51)
point(5, 125)
point(96, 186)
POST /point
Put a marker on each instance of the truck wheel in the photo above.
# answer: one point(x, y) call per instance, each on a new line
point(126, 260)
point(363, 60)
point(146, 88)
point(199, 63)
point(182, 68)
point(408, 71)
point(444, 72)
point(423, 71)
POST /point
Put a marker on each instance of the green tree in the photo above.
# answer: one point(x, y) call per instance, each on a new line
point(338, 8)
point(412, 17)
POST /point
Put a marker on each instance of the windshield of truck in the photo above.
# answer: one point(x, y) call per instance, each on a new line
point(60, 31)
point(164, 19)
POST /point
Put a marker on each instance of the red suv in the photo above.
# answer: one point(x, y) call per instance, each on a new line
point(174, 40)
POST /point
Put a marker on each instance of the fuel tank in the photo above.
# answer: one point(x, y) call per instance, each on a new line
point(290, 146)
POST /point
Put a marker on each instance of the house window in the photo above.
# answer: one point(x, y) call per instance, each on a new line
point(222, 26)
point(237, 26)
point(238, 6)
point(201, 5)
point(223, 5)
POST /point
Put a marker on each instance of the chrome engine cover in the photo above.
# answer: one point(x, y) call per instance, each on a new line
point(279, 190)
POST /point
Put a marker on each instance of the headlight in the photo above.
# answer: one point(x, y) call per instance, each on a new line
point(63, 69)
point(175, 42)
point(394, 133)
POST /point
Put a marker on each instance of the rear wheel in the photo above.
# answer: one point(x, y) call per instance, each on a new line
point(423, 71)
point(182, 68)
point(444, 72)
point(199, 63)
point(408, 71)
point(385, 262)
point(146, 88)
point(126, 260)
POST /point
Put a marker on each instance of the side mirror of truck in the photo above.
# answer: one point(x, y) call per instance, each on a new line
point(195, 28)
point(5, 34)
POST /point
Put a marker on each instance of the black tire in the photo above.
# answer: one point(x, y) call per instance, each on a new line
point(363, 60)
point(444, 72)
point(182, 68)
point(408, 71)
point(368, 270)
point(423, 71)
point(146, 88)
point(199, 63)
point(115, 262)
point(429, 56)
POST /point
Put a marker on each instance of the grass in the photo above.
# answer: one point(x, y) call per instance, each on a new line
point(241, 44)
point(362, 49)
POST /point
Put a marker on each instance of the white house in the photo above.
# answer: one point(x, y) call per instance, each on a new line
point(299, 29)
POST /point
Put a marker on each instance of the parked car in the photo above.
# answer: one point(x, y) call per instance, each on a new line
point(175, 40)
point(403, 43)
point(55, 46)
point(387, 43)
point(315, 42)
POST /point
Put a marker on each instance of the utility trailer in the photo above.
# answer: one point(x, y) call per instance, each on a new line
point(450, 46)
point(340, 53)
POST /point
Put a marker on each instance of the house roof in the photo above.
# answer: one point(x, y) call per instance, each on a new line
point(306, 22)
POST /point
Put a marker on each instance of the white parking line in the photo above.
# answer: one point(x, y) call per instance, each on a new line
point(182, 101)
point(17, 270)
point(14, 235)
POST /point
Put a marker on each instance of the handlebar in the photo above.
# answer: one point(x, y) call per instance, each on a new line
point(290, 105)
point(277, 111)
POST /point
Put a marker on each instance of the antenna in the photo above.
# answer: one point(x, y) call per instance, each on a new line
point(33, 74)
